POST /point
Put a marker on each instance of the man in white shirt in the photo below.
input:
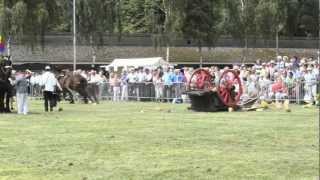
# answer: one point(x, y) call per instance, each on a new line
point(94, 81)
point(148, 86)
point(141, 77)
point(132, 79)
point(49, 82)
point(310, 86)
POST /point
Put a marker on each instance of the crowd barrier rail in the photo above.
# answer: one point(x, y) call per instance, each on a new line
point(297, 92)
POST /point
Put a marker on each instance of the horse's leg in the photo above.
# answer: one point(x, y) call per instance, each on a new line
point(86, 96)
point(96, 94)
point(1, 102)
point(64, 95)
point(91, 95)
point(11, 103)
point(70, 92)
point(7, 103)
point(84, 93)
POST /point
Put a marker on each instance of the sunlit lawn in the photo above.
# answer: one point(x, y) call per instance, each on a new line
point(158, 141)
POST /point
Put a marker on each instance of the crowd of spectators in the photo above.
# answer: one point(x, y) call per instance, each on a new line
point(291, 78)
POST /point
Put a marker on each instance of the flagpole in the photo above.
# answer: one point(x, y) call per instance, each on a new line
point(74, 37)
point(9, 46)
point(319, 33)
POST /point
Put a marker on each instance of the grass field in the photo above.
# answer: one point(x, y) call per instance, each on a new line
point(158, 141)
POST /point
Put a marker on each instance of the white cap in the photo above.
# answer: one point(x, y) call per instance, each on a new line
point(47, 68)
point(28, 71)
point(279, 57)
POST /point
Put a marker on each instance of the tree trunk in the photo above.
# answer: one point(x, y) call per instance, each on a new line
point(277, 42)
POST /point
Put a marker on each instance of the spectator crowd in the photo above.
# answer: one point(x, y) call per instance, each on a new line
point(296, 79)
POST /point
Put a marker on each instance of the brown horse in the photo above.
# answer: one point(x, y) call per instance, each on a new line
point(71, 83)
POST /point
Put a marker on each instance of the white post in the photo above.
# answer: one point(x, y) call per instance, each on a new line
point(168, 54)
point(318, 57)
point(74, 37)
point(94, 60)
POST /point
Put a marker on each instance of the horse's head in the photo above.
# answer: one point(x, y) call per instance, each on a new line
point(5, 72)
point(6, 63)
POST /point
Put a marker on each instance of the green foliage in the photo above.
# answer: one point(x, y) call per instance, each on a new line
point(202, 21)
point(19, 15)
point(239, 17)
point(136, 16)
point(89, 21)
point(27, 21)
point(271, 17)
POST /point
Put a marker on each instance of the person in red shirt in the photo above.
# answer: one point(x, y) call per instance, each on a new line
point(279, 89)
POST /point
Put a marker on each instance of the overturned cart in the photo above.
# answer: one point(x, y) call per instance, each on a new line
point(209, 94)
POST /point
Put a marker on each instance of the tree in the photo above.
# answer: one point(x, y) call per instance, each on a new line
point(27, 21)
point(201, 22)
point(302, 18)
point(239, 21)
point(136, 16)
point(95, 18)
point(166, 22)
point(271, 18)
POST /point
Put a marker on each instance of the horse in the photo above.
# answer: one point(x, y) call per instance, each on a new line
point(72, 82)
point(5, 86)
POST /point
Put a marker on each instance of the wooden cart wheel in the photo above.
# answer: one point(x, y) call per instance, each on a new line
point(230, 88)
point(200, 80)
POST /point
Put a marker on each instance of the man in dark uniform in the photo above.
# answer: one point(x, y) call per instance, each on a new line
point(6, 70)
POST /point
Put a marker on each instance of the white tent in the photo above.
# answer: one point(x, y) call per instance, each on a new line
point(139, 62)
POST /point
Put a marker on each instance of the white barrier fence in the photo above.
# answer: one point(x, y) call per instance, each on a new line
point(296, 92)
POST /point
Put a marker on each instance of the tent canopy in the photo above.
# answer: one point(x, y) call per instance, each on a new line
point(139, 62)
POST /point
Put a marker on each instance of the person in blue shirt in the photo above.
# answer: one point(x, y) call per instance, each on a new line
point(168, 79)
point(178, 80)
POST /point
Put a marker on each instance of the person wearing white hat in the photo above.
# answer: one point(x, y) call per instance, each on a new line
point(49, 82)
point(132, 81)
point(310, 86)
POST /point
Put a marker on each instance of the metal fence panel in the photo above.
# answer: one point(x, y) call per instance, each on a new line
point(297, 92)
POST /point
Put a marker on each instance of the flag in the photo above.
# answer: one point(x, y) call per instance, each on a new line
point(2, 45)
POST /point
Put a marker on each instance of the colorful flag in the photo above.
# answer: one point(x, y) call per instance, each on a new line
point(2, 45)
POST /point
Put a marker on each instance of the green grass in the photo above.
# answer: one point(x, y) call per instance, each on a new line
point(158, 141)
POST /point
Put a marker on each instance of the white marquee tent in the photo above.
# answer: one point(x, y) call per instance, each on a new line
point(139, 62)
